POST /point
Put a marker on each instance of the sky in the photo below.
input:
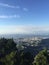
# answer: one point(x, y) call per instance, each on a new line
point(24, 16)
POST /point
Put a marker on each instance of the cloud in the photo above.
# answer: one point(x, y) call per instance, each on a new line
point(10, 16)
point(25, 9)
point(23, 29)
point(10, 6)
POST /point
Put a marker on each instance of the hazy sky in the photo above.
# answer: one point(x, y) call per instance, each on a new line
point(24, 16)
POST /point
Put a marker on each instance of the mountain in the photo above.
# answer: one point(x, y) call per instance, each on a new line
point(44, 43)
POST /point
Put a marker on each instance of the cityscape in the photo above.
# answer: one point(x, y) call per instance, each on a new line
point(24, 32)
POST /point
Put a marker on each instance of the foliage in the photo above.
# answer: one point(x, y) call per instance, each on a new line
point(10, 55)
point(7, 51)
point(41, 58)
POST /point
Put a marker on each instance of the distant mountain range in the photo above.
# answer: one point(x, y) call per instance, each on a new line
point(45, 43)
point(22, 35)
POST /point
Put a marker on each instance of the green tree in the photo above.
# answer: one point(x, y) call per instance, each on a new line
point(41, 58)
point(8, 52)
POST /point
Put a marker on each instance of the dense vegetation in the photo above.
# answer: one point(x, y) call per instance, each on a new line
point(9, 55)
